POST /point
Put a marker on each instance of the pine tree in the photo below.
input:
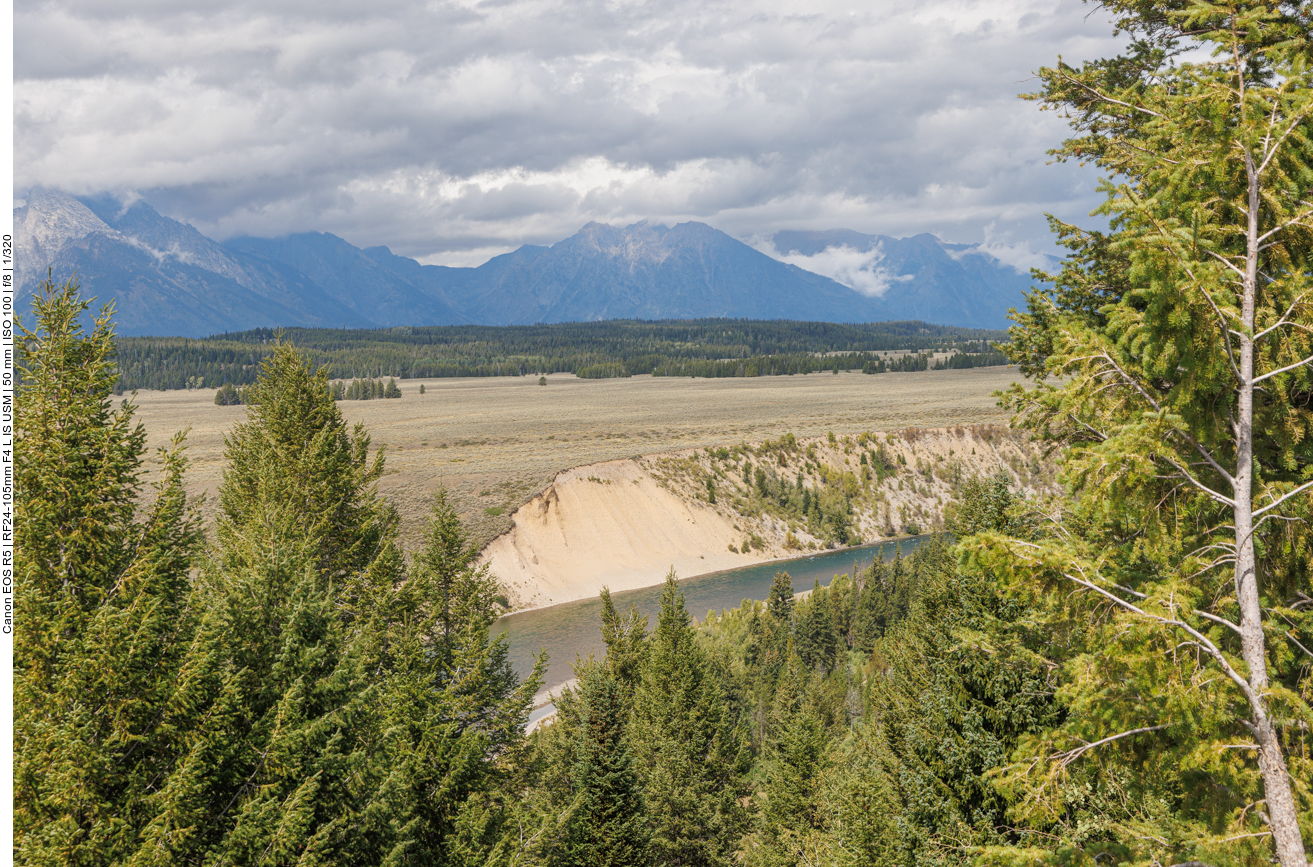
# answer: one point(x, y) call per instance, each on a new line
point(294, 454)
point(958, 684)
point(688, 744)
point(796, 755)
point(816, 638)
point(101, 707)
point(287, 765)
point(451, 704)
point(625, 637)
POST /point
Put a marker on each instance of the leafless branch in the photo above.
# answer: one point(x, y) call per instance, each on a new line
point(1280, 370)
point(1066, 758)
point(1270, 506)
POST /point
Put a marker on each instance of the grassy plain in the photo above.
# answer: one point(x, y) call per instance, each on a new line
point(495, 442)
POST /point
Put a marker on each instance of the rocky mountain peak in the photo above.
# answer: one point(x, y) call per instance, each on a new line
point(48, 221)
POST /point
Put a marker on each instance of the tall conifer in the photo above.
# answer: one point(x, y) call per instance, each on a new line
point(609, 822)
point(101, 712)
point(689, 745)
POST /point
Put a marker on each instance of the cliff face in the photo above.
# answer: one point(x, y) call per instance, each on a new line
point(624, 524)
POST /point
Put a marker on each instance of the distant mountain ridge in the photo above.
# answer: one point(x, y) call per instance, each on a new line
point(166, 278)
point(961, 282)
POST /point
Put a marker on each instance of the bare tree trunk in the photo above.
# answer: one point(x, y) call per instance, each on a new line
point(1281, 813)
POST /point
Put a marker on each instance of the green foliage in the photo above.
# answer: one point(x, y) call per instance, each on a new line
point(1172, 363)
point(989, 505)
point(227, 395)
point(102, 700)
point(689, 745)
point(815, 632)
point(309, 699)
point(625, 636)
point(365, 389)
point(779, 600)
point(608, 819)
point(959, 681)
point(795, 761)
point(294, 461)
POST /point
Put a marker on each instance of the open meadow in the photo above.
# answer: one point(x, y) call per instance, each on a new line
point(494, 442)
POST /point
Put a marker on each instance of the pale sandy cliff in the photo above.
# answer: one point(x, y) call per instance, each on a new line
point(623, 524)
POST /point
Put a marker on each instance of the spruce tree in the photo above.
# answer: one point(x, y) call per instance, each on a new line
point(796, 755)
point(608, 819)
point(1173, 358)
point(295, 453)
point(451, 707)
point(625, 636)
point(288, 764)
point(102, 707)
point(689, 745)
point(816, 638)
point(779, 601)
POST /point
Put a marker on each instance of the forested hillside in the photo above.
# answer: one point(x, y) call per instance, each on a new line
point(702, 347)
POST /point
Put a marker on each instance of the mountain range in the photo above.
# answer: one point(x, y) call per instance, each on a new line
point(166, 278)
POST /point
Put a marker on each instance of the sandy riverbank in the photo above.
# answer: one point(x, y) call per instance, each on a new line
point(624, 524)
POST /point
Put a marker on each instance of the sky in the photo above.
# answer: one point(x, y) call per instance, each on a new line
point(453, 131)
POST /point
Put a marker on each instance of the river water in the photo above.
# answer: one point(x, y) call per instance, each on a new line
point(574, 629)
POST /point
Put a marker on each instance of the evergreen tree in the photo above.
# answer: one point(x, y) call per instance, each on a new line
point(688, 744)
point(815, 635)
point(626, 642)
point(363, 711)
point(452, 708)
point(608, 821)
point(795, 759)
point(1174, 360)
point(779, 600)
point(294, 454)
point(288, 764)
point(101, 709)
point(958, 684)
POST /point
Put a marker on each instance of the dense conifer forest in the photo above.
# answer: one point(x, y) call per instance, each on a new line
point(704, 347)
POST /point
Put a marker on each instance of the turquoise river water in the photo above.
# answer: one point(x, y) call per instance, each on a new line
point(574, 629)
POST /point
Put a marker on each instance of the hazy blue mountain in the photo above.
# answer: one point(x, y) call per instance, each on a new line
point(168, 278)
point(652, 272)
point(354, 280)
point(927, 279)
point(163, 276)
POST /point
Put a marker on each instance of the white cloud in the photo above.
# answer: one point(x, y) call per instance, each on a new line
point(1020, 256)
point(857, 269)
point(447, 126)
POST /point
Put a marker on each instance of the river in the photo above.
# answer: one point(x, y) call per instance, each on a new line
point(574, 629)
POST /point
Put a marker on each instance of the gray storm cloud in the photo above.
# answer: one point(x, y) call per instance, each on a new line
point(446, 128)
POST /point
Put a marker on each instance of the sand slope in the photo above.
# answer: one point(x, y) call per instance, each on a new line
point(609, 524)
point(624, 524)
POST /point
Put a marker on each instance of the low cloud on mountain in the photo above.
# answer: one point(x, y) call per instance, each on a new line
point(456, 125)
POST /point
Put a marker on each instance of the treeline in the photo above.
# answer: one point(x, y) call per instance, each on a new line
point(365, 389)
point(709, 347)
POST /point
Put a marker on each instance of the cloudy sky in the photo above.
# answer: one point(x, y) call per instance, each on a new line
point(456, 129)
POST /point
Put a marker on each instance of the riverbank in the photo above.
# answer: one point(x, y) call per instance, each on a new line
point(624, 524)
